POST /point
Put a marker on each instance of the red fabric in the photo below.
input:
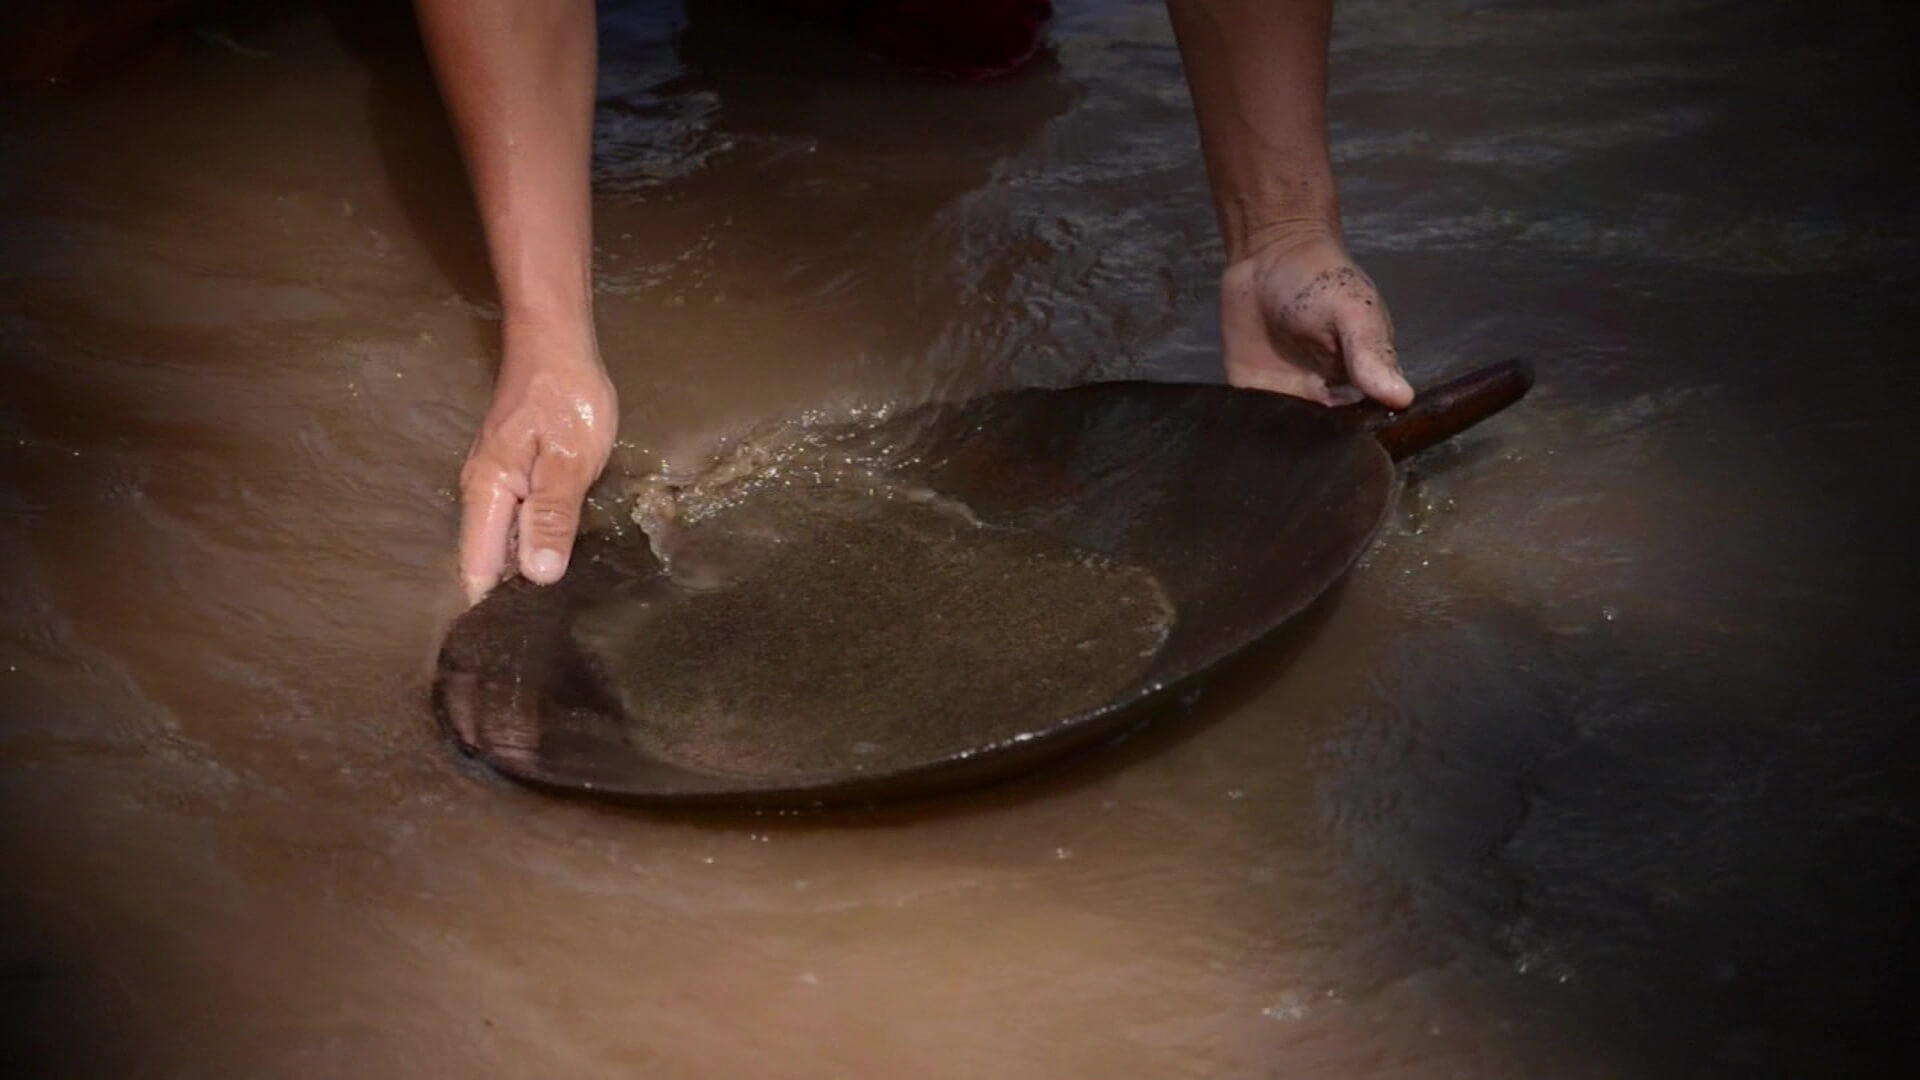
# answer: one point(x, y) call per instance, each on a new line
point(963, 39)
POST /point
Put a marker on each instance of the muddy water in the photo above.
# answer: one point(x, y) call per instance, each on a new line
point(1595, 768)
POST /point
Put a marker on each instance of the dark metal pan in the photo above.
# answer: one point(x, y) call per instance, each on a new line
point(1204, 517)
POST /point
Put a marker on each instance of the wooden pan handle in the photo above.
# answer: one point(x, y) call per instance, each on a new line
point(1440, 412)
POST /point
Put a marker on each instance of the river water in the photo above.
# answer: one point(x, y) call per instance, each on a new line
point(1596, 766)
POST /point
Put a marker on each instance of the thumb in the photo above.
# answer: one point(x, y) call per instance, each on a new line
point(1373, 365)
point(550, 516)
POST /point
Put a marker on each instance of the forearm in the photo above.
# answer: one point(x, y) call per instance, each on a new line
point(517, 77)
point(1257, 70)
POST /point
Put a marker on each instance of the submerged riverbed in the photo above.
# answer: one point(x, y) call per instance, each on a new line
point(1597, 766)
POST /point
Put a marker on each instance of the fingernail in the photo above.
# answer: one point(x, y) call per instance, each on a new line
point(546, 566)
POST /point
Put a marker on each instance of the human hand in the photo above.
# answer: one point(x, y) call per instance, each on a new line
point(543, 443)
point(1298, 317)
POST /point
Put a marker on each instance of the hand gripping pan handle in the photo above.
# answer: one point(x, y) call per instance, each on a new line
point(1440, 412)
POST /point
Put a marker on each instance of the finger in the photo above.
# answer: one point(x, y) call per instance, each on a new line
point(488, 500)
point(1372, 362)
point(550, 517)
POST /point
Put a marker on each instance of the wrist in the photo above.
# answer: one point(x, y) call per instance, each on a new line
point(1249, 231)
point(544, 271)
point(548, 340)
point(549, 302)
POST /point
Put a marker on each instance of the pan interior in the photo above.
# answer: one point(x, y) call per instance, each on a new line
point(826, 625)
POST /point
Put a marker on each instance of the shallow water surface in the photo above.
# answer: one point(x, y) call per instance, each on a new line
point(1595, 767)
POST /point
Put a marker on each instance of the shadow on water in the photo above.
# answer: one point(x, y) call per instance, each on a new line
point(1679, 877)
point(409, 126)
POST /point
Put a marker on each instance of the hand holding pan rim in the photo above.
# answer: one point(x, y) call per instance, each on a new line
point(1247, 506)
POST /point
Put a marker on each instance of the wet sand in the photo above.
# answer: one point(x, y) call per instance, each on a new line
point(1598, 765)
point(823, 626)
